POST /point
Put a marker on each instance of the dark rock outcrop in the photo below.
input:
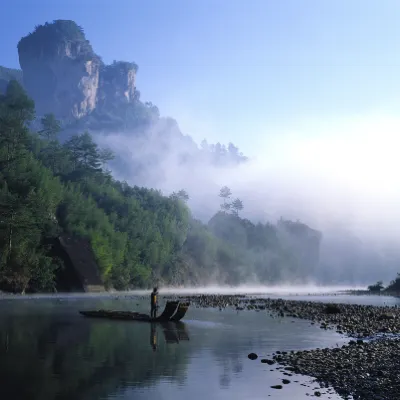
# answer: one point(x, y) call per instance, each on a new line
point(81, 272)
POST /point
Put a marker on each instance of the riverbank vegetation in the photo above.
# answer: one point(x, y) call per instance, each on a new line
point(392, 288)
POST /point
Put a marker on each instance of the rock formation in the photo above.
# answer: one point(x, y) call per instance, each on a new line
point(81, 272)
point(117, 84)
point(63, 74)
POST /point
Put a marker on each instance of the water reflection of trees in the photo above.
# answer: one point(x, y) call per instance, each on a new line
point(47, 357)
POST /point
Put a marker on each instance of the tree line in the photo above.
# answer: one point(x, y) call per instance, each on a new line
point(393, 287)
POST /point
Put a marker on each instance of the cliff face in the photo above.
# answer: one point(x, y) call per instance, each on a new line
point(63, 74)
point(117, 84)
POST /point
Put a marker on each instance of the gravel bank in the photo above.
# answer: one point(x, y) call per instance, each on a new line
point(358, 321)
point(365, 371)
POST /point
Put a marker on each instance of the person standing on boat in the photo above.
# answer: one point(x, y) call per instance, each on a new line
point(154, 302)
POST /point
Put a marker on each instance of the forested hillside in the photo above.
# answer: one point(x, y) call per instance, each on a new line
point(55, 180)
point(139, 236)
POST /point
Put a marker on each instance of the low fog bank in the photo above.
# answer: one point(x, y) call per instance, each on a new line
point(260, 290)
point(274, 290)
point(341, 179)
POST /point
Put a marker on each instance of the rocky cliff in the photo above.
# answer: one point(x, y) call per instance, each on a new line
point(117, 84)
point(63, 74)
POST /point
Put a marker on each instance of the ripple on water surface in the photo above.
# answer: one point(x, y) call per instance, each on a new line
point(56, 353)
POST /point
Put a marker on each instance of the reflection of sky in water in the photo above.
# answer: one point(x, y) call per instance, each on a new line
point(219, 367)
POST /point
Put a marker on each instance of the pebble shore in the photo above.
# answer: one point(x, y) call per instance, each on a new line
point(365, 371)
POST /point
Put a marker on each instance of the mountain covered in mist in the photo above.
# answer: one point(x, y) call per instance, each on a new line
point(57, 117)
point(63, 75)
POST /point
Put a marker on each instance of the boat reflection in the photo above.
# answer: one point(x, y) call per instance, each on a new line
point(174, 332)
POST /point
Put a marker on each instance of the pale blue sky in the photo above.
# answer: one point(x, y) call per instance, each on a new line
point(234, 70)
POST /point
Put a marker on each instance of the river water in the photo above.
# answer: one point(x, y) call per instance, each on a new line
point(49, 351)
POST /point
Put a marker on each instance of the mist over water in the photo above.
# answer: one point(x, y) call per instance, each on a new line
point(276, 290)
point(261, 290)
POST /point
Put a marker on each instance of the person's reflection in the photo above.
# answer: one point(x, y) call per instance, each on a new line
point(173, 333)
point(153, 336)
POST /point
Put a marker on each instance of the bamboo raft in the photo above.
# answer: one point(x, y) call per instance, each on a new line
point(174, 311)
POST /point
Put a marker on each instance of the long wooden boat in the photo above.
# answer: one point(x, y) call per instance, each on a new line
point(174, 311)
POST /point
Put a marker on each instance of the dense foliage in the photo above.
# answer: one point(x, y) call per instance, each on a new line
point(138, 235)
point(393, 287)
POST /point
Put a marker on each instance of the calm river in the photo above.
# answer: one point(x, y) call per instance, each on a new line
point(48, 351)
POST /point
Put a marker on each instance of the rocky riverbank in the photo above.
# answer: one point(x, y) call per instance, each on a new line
point(362, 369)
point(365, 371)
point(358, 321)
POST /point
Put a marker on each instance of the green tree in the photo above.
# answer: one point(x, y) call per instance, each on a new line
point(16, 111)
point(84, 152)
point(236, 205)
point(51, 127)
point(105, 155)
point(29, 195)
point(180, 195)
point(49, 150)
